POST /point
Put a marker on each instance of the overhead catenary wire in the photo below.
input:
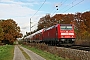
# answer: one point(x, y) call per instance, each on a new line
point(38, 9)
point(55, 6)
point(67, 5)
point(35, 14)
point(54, 12)
point(73, 6)
point(62, 3)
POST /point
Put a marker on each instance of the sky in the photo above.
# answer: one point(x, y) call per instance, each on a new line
point(22, 10)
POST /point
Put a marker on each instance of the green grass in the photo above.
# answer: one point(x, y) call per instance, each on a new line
point(25, 54)
point(6, 52)
point(44, 54)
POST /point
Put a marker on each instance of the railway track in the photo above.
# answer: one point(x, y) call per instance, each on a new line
point(85, 48)
point(78, 47)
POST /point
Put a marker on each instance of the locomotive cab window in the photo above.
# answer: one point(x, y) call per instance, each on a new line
point(63, 27)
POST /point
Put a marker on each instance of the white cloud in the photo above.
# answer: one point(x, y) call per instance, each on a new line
point(7, 10)
point(19, 12)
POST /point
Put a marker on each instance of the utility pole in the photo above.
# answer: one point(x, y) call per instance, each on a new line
point(30, 25)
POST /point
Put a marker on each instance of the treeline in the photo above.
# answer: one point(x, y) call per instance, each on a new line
point(9, 31)
point(81, 22)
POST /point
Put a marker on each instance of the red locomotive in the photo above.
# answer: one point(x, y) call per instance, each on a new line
point(57, 34)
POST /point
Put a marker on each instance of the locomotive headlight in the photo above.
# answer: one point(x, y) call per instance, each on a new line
point(62, 39)
point(73, 39)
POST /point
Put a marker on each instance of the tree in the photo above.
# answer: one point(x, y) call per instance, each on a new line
point(1, 32)
point(11, 31)
point(44, 22)
point(82, 24)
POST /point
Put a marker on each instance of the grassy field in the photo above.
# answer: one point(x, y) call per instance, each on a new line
point(6, 52)
point(44, 54)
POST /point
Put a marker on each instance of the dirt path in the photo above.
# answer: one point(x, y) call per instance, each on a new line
point(32, 55)
point(19, 56)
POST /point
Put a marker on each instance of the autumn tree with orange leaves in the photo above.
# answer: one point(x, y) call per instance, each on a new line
point(1, 32)
point(11, 31)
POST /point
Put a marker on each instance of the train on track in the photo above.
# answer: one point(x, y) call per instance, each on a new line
point(60, 34)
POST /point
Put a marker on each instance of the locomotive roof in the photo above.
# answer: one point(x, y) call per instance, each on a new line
point(50, 28)
point(56, 26)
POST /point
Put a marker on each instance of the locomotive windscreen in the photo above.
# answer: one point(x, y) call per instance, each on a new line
point(66, 27)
